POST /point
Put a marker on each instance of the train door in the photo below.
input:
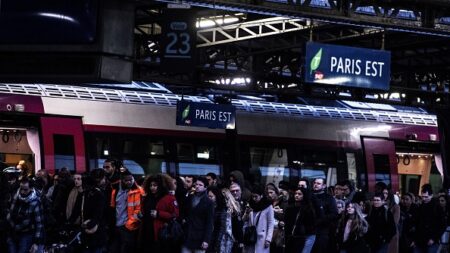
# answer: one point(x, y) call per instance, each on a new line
point(63, 144)
point(381, 162)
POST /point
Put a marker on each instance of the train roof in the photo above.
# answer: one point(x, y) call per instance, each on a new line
point(156, 94)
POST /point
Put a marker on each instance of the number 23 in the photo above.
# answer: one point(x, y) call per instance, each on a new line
point(174, 37)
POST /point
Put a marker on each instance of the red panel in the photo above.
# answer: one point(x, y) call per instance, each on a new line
point(401, 132)
point(32, 104)
point(374, 146)
point(67, 126)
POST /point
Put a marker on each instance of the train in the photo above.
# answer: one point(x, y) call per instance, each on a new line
point(78, 127)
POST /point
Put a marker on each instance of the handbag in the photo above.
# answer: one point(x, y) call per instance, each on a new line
point(171, 232)
point(250, 235)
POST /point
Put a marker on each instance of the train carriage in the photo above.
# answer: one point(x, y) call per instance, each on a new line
point(52, 126)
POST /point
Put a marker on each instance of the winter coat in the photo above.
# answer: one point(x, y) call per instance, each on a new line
point(199, 222)
point(26, 216)
point(167, 209)
point(264, 229)
point(429, 223)
point(326, 211)
point(92, 213)
point(381, 227)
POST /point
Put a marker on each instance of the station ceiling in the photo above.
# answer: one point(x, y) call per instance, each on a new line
point(270, 50)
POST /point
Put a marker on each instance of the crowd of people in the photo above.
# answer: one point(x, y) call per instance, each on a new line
point(108, 210)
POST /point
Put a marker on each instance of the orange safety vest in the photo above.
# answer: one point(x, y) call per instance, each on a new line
point(133, 206)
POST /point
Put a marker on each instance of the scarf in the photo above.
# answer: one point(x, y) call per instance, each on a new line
point(261, 205)
point(71, 201)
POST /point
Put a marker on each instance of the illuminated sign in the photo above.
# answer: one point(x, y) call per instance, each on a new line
point(347, 66)
point(206, 115)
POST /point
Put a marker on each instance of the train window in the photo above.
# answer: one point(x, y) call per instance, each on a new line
point(185, 151)
point(197, 169)
point(314, 172)
point(64, 151)
point(382, 169)
point(351, 165)
point(206, 152)
point(143, 147)
point(155, 148)
point(269, 165)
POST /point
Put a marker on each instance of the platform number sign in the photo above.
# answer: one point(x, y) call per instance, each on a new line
point(178, 41)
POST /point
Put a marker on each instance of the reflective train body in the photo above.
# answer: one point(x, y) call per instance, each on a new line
point(79, 127)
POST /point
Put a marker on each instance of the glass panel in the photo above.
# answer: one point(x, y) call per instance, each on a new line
point(313, 172)
point(206, 152)
point(351, 166)
point(382, 169)
point(269, 165)
point(185, 151)
point(156, 148)
point(410, 183)
point(64, 151)
point(138, 167)
point(435, 178)
point(198, 169)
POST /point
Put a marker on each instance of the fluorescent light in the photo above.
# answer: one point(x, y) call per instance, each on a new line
point(204, 155)
point(204, 23)
point(57, 16)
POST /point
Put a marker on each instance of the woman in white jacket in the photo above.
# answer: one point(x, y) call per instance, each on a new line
point(260, 214)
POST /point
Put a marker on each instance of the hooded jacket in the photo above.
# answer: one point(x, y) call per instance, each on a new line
point(25, 216)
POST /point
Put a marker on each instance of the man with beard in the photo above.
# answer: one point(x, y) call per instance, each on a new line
point(25, 220)
point(199, 220)
point(126, 201)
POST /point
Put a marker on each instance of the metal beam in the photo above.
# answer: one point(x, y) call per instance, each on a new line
point(248, 30)
point(334, 14)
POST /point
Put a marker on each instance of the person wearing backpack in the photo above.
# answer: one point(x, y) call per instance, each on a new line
point(259, 215)
point(381, 225)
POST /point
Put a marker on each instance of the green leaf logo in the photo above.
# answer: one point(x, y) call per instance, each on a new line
point(315, 62)
point(185, 113)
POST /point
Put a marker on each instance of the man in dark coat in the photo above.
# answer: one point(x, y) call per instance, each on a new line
point(326, 213)
point(381, 225)
point(429, 223)
point(200, 219)
point(93, 236)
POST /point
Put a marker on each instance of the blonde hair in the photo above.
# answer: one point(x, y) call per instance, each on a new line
point(232, 205)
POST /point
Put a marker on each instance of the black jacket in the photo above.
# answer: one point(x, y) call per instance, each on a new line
point(326, 211)
point(429, 223)
point(381, 227)
point(93, 212)
point(305, 223)
point(199, 222)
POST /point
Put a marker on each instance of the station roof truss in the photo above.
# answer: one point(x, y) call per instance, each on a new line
point(266, 45)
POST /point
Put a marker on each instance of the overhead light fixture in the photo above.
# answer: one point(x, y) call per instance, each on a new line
point(217, 20)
